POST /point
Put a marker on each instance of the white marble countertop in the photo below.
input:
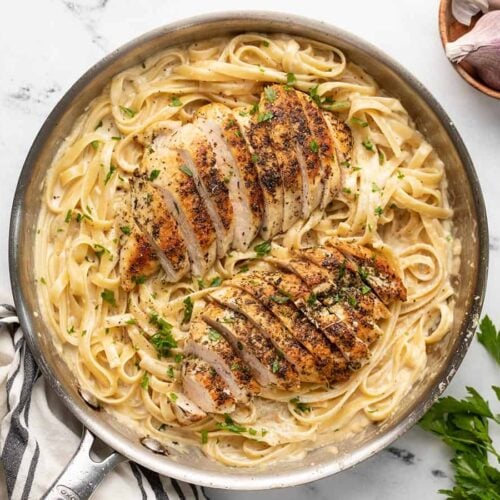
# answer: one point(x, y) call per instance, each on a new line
point(45, 45)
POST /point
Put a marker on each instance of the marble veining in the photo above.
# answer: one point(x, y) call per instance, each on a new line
point(62, 38)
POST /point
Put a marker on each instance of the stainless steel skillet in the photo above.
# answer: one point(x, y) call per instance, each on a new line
point(470, 220)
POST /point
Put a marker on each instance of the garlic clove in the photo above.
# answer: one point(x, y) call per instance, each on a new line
point(486, 61)
point(463, 10)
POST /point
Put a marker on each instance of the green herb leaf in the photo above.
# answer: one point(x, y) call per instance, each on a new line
point(99, 125)
point(243, 269)
point(338, 106)
point(489, 336)
point(280, 299)
point(188, 310)
point(270, 94)
point(69, 214)
point(264, 117)
point(145, 381)
point(254, 109)
point(128, 112)
point(359, 122)
point(275, 366)
point(204, 436)
point(186, 170)
point(290, 79)
point(139, 280)
point(111, 171)
point(175, 101)
point(381, 157)
point(368, 144)
point(300, 406)
point(154, 175)
point(109, 297)
point(162, 340)
point(378, 211)
point(216, 281)
point(213, 335)
point(125, 229)
point(312, 299)
point(173, 397)
point(230, 425)
point(100, 250)
point(400, 175)
point(95, 144)
point(313, 146)
point(263, 248)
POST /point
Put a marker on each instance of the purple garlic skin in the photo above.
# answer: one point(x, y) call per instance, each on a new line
point(486, 61)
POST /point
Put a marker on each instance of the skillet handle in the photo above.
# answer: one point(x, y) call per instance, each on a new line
point(82, 475)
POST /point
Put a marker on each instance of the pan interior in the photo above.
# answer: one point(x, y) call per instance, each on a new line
point(469, 221)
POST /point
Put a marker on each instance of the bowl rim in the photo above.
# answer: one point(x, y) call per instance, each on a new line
point(444, 16)
point(227, 480)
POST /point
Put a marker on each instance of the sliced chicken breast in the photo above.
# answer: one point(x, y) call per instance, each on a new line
point(223, 132)
point(166, 168)
point(325, 147)
point(211, 176)
point(266, 364)
point(375, 270)
point(329, 361)
point(340, 333)
point(211, 346)
point(278, 104)
point(153, 217)
point(137, 256)
point(263, 319)
point(256, 128)
point(203, 385)
point(185, 410)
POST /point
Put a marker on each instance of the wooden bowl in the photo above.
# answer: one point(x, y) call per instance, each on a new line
point(450, 29)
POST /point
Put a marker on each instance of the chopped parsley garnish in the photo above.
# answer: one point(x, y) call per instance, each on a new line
point(252, 431)
point(230, 425)
point(125, 229)
point(69, 214)
point(263, 248)
point(346, 190)
point(175, 101)
point(300, 406)
point(100, 250)
point(338, 106)
point(290, 78)
point(379, 211)
point(254, 109)
point(170, 372)
point(109, 297)
point(99, 125)
point(80, 217)
point(95, 144)
point(128, 112)
point(275, 366)
point(375, 188)
point(213, 335)
point(352, 301)
point(186, 170)
point(265, 43)
point(163, 339)
point(173, 397)
point(201, 284)
point(368, 144)
point(111, 171)
point(154, 175)
point(131, 321)
point(204, 436)
point(312, 299)
point(145, 381)
point(381, 157)
point(42, 281)
point(313, 146)
point(243, 269)
point(139, 280)
point(363, 273)
point(365, 289)
point(178, 358)
point(116, 138)
point(264, 117)
point(400, 175)
point(359, 122)
point(280, 299)
point(216, 281)
point(270, 94)
point(188, 310)
point(255, 158)
point(342, 269)
point(313, 93)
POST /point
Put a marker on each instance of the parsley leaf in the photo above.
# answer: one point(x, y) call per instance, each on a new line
point(186, 170)
point(216, 281)
point(290, 79)
point(109, 297)
point(264, 117)
point(188, 310)
point(230, 425)
point(175, 101)
point(313, 146)
point(368, 144)
point(280, 299)
point(125, 229)
point(110, 173)
point(300, 406)
point(154, 175)
point(489, 336)
point(263, 248)
point(270, 94)
point(128, 112)
point(357, 121)
point(163, 339)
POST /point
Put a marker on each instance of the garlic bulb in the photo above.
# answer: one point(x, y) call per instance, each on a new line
point(480, 47)
point(463, 10)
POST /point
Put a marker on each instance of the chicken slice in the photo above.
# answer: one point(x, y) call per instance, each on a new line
point(211, 176)
point(203, 385)
point(263, 319)
point(137, 256)
point(278, 104)
point(340, 300)
point(223, 132)
point(344, 280)
point(340, 333)
point(185, 410)
point(255, 349)
point(332, 175)
point(257, 132)
point(209, 345)
point(166, 169)
point(375, 270)
point(329, 361)
point(152, 216)
point(342, 137)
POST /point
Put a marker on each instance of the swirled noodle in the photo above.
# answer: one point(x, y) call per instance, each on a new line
point(394, 198)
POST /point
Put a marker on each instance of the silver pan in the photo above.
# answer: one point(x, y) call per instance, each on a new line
point(470, 221)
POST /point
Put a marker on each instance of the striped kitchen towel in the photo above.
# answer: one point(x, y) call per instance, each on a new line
point(38, 435)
